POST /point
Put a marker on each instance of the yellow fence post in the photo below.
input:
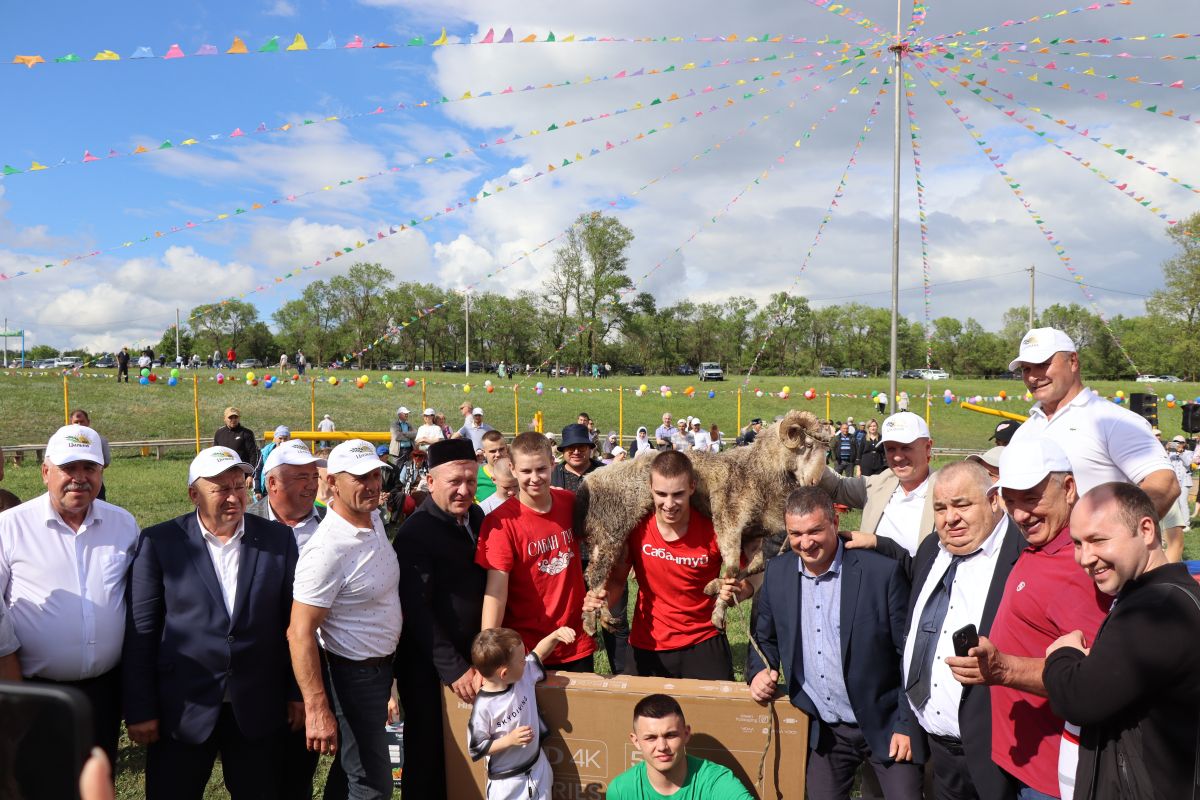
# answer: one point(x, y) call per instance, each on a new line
point(827, 415)
point(66, 402)
point(196, 407)
point(516, 410)
point(621, 416)
point(424, 405)
point(312, 412)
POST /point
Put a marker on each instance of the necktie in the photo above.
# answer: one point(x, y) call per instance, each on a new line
point(933, 615)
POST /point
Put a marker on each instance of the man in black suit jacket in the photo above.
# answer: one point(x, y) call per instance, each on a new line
point(974, 551)
point(206, 664)
point(833, 619)
point(441, 593)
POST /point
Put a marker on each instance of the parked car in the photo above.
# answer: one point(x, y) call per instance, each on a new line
point(1148, 379)
point(913, 374)
point(634, 369)
point(1170, 379)
point(849, 372)
point(398, 366)
point(685, 369)
point(68, 362)
point(711, 371)
point(452, 366)
point(933, 374)
point(104, 362)
point(828, 372)
point(45, 363)
point(249, 363)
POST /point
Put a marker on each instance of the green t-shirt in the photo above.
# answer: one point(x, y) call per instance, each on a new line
point(705, 781)
point(485, 485)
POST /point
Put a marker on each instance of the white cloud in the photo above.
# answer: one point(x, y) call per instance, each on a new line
point(281, 8)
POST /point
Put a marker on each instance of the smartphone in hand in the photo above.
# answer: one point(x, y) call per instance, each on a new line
point(964, 639)
point(45, 736)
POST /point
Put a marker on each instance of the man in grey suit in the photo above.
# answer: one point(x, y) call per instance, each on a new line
point(897, 503)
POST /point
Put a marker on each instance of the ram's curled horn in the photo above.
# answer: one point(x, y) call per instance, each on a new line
point(795, 428)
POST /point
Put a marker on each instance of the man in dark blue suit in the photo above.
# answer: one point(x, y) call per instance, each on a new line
point(833, 619)
point(206, 667)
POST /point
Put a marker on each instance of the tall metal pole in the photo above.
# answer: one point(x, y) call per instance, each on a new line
point(177, 340)
point(6, 342)
point(1032, 270)
point(467, 344)
point(897, 88)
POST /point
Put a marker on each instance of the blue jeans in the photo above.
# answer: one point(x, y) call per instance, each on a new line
point(358, 695)
point(1029, 793)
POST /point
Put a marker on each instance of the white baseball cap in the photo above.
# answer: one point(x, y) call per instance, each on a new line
point(355, 456)
point(991, 457)
point(903, 428)
point(695, 421)
point(213, 461)
point(1039, 345)
point(429, 412)
point(618, 450)
point(476, 410)
point(294, 452)
point(1028, 460)
point(403, 410)
point(72, 443)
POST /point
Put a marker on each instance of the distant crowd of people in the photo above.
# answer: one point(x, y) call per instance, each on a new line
point(1006, 627)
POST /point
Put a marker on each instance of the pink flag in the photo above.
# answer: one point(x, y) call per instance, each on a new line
point(491, 37)
point(174, 52)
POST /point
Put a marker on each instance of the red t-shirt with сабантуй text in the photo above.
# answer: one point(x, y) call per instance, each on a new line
point(672, 609)
point(545, 579)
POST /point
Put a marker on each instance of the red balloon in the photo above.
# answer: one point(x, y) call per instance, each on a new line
point(254, 382)
point(153, 377)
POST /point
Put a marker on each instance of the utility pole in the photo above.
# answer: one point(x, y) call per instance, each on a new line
point(177, 336)
point(1032, 315)
point(467, 343)
point(6, 342)
point(898, 48)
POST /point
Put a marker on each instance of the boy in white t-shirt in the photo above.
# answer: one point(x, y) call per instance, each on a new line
point(505, 725)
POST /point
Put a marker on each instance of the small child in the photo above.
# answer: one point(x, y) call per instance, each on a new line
point(505, 725)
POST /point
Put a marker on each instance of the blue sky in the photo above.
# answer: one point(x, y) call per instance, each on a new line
point(979, 233)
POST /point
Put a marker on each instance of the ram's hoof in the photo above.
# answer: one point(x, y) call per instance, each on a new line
point(718, 615)
point(589, 623)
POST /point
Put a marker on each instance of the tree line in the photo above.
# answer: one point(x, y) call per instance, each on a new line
point(585, 312)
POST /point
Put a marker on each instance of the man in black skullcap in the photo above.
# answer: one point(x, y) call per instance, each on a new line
point(1004, 432)
point(441, 593)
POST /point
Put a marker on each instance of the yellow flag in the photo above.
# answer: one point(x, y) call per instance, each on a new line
point(298, 43)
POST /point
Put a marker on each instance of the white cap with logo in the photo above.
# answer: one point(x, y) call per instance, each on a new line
point(1028, 460)
point(355, 456)
point(1039, 345)
point(476, 412)
point(293, 452)
point(213, 461)
point(402, 410)
point(904, 427)
point(72, 443)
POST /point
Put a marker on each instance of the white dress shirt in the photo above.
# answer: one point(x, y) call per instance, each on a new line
point(303, 530)
point(226, 558)
point(65, 591)
point(968, 594)
point(354, 573)
point(9, 643)
point(1104, 441)
point(901, 520)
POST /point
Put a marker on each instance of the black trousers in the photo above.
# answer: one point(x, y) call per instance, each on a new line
point(299, 766)
point(104, 693)
point(177, 770)
point(616, 643)
point(951, 778)
point(710, 660)
point(420, 691)
point(836, 756)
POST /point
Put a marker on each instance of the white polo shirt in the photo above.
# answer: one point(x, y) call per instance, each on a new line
point(65, 591)
point(1103, 441)
point(354, 573)
point(968, 595)
point(302, 530)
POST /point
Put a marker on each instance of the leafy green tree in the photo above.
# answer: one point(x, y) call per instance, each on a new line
point(219, 326)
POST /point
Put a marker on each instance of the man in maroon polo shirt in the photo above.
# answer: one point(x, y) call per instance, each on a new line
point(1046, 596)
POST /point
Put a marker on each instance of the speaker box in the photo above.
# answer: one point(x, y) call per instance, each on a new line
point(1145, 406)
point(1191, 417)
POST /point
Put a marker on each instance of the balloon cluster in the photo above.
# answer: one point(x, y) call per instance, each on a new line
point(785, 393)
point(810, 394)
point(540, 387)
point(488, 386)
point(1119, 397)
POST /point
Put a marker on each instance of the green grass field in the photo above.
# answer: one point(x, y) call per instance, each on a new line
point(155, 490)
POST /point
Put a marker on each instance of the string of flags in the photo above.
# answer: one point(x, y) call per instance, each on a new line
point(393, 330)
point(485, 193)
point(1010, 23)
point(262, 128)
point(1124, 152)
point(914, 135)
point(299, 43)
point(838, 192)
point(1015, 187)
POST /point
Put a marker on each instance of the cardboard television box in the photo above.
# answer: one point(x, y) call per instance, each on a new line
point(590, 717)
